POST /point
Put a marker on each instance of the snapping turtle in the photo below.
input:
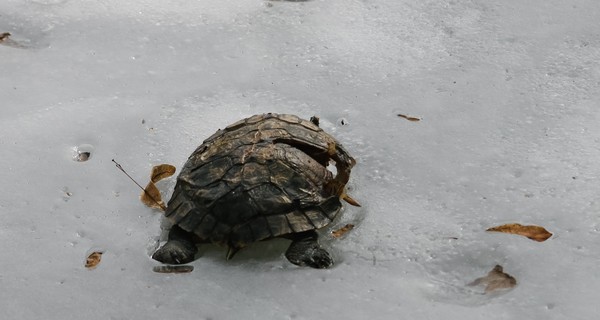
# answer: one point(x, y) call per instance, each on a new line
point(262, 177)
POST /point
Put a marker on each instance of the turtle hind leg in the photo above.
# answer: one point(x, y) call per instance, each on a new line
point(305, 250)
point(179, 249)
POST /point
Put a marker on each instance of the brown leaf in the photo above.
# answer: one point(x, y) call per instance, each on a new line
point(532, 232)
point(152, 198)
point(342, 231)
point(93, 260)
point(4, 36)
point(350, 200)
point(151, 195)
point(495, 280)
point(173, 269)
point(7, 41)
point(162, 171)
point(409, 118)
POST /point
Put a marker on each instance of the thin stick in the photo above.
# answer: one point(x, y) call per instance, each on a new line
point(146, 192)
point(408, 117)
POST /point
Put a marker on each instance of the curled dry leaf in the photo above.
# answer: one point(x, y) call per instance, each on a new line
point(350, 200)
point(162, 171)
point(342, 231)
point(4, 36)
point(173, 269)
point(93, 260)
point(536, 233)
point(151, 195)
point(7, 41)
point(495, 280)
point(152, 198)
point(409, 118)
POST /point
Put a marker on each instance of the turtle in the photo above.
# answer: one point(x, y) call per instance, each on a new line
point(263, 177)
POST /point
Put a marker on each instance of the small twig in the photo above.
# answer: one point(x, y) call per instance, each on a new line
point(146, 192)
point(408, 117)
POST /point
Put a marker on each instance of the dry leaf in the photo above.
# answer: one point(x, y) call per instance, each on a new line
point(350, 200)
point(173, 269)
point(495, 280)
point(532, 232)
point(342, 231)
point(152, 198)
point(409, 118)
point(162, 171)
point(4, 36)
point(151, 195)
point(7, 41)
point(93, 260)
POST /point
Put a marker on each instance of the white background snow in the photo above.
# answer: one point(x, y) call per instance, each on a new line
point(507, 91)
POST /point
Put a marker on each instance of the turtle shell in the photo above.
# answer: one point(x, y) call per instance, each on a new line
point(259, 178)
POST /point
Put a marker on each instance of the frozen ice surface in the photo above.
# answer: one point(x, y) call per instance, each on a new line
point(507, 93)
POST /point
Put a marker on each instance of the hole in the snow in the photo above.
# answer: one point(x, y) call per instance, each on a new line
point(82, 152)
point(342, 122)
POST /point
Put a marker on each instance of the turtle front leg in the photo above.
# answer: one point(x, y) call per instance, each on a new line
point(179, 249)
point(305, 250)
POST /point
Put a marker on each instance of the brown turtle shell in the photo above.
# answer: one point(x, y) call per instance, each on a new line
point(262, 177)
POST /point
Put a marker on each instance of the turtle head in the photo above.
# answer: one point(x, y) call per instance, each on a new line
point(343, 164)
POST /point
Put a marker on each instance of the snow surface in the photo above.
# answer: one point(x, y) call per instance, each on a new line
point(508, 94)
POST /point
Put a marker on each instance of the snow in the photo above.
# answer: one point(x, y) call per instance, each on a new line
point(507, 92)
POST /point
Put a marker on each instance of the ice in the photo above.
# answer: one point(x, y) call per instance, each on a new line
point(507, 96)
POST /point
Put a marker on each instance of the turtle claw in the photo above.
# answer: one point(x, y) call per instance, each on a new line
point(308, 252)
point(231, 251)
point(175, 252)
point(319, 259)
